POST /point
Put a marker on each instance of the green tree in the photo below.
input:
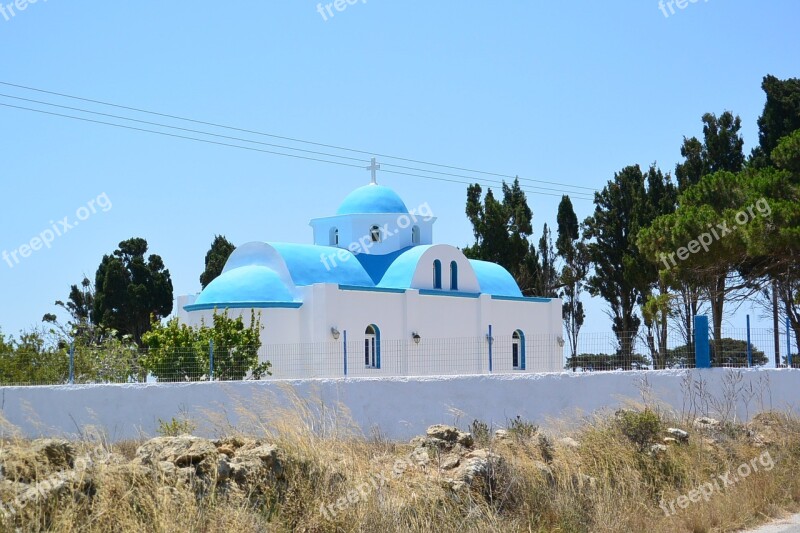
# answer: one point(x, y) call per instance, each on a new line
point(32, 360)
point(130, 290)
point(731, 353)
point(573, 274)
point(216, 257)
point(178, 352)
point(548, 271)
point(781, 117)
point(619, 268)
point(502, 230)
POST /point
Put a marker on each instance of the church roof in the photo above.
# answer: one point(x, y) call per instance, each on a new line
point(372, 198)
point(494, 279)
point(250, 284)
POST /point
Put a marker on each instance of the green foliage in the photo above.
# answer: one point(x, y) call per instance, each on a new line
point(177, 352)
point(175, 427)
point(522, 429)
point(623, 275)
point(573, 274)
point(130, 291)
point(216, 257)
point(781, 116)
point(480, 432)
point(641, 427)
point(732, 352)
point(606, 362)
point(32, 360)
point(502, 229)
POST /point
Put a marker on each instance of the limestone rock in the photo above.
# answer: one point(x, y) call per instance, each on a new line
point(569, 442)
point(679, 435)
point(705, 422)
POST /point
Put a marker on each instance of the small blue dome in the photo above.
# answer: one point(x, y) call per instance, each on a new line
point(372, 198)
point(246, 284)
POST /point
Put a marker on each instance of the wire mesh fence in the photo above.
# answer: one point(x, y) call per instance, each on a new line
point(371, 356)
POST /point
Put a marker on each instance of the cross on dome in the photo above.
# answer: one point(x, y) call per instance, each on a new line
point(374, 167)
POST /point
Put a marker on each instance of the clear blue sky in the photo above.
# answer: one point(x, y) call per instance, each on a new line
point(562, 91)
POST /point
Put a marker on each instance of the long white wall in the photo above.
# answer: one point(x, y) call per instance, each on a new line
point(400, 407)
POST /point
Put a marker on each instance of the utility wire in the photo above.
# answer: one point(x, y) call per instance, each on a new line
point(292, 139)
point(145, 130)
point(314, 152)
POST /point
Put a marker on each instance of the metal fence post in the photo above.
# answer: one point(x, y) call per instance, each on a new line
point(72, 363)
point(211, 360)
point(702, 353)
point(490, 348)
point(788, 343)
point(345, 351)
point(749, 346)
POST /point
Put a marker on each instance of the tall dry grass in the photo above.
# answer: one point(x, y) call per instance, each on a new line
point(612, 481)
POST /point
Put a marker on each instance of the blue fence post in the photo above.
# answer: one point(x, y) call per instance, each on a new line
point(72, 363)
point(788, 342)
point(702, 353)
point(490, 339)
point(211, 360)
point(749, 346)
point(344, 334)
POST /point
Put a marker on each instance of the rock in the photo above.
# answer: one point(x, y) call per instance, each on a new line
point(569, 442)
point(670, 440)
point(476, 464)
point(181, 451)
point(656, 449)
point(679, 435)
point(420, 456)
point(226, 450)
point(442, 432)
point(449, 462)
point(501, 434)
point(705, 422)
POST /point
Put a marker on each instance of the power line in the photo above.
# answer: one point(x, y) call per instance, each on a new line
point(314, 152)
point(292, 139)
point(578, 196)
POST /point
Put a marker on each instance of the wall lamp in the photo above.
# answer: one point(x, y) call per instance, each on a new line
point(416, 337)
point(560, 341)
point(335, 333)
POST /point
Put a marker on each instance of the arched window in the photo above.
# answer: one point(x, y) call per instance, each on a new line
point(375, 233)
point(415, 235)
point(437, 274)
point(518, 350)
point(372, 347)
point(334, 237)
point(453, 276)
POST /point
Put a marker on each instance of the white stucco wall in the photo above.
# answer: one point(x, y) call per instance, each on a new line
point(400, 407)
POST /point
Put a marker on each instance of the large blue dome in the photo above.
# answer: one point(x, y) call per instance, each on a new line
point(372, 198)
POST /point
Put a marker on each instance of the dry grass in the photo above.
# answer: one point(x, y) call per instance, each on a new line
point(608, 483)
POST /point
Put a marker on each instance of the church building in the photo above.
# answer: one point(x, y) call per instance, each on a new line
point(375, 283)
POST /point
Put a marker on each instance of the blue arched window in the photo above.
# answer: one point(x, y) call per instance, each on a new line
point(334, 241)
point(372, 347)
point(453, 276)
point(437, 274)
point(518, 350)
point(415, 235)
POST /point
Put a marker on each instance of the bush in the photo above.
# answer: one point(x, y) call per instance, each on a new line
point(641, 427)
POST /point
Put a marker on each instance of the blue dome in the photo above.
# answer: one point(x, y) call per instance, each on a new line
point(372, 198)
point(250, 284)
point(494, 279)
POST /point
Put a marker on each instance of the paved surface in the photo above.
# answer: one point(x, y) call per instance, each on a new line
point(786, 525)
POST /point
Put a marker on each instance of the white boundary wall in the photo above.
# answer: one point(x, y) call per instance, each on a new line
point(400, 407)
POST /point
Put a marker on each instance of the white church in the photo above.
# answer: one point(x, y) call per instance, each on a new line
point(373, 296)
